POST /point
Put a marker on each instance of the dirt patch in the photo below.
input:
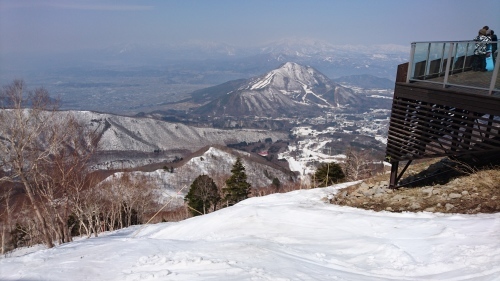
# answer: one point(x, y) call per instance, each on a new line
point(462, 192)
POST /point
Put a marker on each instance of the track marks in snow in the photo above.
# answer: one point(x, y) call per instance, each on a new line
point(307, 90)
point(264, 82)
point(178, 266)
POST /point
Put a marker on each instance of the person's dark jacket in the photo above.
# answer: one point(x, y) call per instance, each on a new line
point(494, 46)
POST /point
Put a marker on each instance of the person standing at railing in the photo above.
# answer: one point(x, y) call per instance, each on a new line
point(494, 46)
point(480, 51)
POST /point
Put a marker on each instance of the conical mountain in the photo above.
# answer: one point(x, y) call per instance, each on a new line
point(290, 90)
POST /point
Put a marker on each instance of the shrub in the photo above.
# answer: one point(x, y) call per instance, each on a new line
point(328, 174)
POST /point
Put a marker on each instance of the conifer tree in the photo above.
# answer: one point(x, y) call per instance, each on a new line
point(276, 183)
point(202, 195)
point(328, 174)
point(237, 188)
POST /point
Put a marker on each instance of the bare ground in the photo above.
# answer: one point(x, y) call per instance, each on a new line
point(469, 185)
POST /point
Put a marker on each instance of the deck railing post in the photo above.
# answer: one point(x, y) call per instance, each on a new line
point(494, 76)
point(410, 65)
point(426, 71)
point(441, 62)
point(465, 57)
point(448, 64)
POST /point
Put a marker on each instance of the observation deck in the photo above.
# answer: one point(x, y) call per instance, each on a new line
point(441, 107)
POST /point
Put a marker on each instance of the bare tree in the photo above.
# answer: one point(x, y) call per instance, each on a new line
point(145, 190)
point(38, 147)
point(356, 164)
point(137, 197)
point(5, 219)
point(120, 201)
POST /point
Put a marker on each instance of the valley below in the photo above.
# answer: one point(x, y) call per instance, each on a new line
point(315, 130)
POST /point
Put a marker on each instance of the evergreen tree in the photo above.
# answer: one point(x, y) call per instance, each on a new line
point(237, 188)
point(276, 183)
point(202, 195)
point(328, 174)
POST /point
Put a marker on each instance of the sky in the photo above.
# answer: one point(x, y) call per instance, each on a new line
point(61, 25)
point(289, 236)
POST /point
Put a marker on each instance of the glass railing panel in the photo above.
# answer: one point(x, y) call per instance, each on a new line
point(430, 60)
point(462, 58)
point(420, 60)
point(435, 60)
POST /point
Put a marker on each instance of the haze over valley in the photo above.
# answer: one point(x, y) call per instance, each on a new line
point(131, 79)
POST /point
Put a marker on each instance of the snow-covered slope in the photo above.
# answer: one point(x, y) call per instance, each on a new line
point(120, 133)
point(214, 162)
point(292, 236)
point(125, 141)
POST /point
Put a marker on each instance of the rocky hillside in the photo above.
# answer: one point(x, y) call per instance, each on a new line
point(132, 141)
point(462, 188)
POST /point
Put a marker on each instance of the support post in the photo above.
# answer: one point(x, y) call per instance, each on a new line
point(394, 175)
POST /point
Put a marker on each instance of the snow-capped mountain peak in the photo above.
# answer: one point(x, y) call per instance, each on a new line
point(289, 74)
point(288, 90)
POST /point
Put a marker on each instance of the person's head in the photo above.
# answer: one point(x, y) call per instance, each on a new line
point(492, 32)
point(482, 32)
point(486, 27)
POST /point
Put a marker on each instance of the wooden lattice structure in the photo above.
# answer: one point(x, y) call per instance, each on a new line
point(431, 120)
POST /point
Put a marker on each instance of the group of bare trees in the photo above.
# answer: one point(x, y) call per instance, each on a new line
point(358, 164)
point(120, 201)
point(43, 152)
point(44, 161)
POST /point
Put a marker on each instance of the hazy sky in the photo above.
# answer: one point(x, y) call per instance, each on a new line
point(63, 25)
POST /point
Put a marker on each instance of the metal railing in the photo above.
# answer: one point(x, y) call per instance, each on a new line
point(441, 62)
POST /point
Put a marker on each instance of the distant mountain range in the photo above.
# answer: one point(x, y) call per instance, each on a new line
point(299, 47)
point(291, 90)
point(334, 60)
point(366, 81)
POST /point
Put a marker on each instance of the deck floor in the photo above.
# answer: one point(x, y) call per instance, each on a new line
point(469, 79)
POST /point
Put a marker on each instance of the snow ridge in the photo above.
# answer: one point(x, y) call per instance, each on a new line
point(264, 82)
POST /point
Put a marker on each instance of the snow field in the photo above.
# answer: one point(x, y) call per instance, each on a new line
point(292, 236)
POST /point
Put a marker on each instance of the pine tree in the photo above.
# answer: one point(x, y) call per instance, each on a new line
point(237, 188)
point(328, 174)
point(202, 195)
